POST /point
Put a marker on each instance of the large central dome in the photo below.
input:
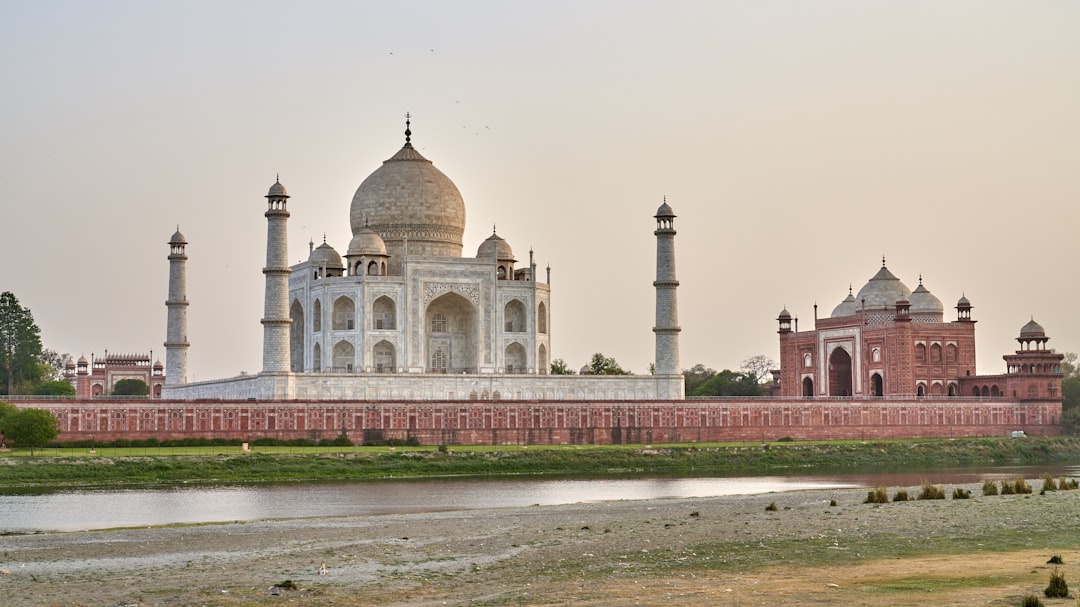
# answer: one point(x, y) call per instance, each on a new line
point(407, 198)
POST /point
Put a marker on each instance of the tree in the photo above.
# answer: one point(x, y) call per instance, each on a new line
point(758, 367)
point(53, 363)
point(558, 367)
point(603, 365)
point(695, 376)
point(130, 387)
point(20, 341)
point(729, 383)
point(30, 427)
point(7, 409)
point(54, 387)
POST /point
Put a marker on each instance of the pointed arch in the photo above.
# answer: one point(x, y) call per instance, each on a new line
point(344, 314)
point(316, 358)
point(385, 357)
point(514, 316)
point(451, 338)
point(316, 316)
point(920, 390)
point(384, 314)
point(541, 318)
point(807, 387)
point(951, 353)
point(515, 359)
point(877, 385)
point(840, 373)
point(344, 357)
point(542, 362)
point(935, 353)
point(920, 353)
point(296, 337)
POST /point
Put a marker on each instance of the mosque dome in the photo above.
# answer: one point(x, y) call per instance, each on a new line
point(324, 256)
point(925, 302)
point(848, 307)
point(1032, 330)
point(277, 191)
point(494, 247)
point(158, 365)
point(963, 302)
point(366, 242)
point(665, 210)
point(883, 291)
point(83, 361)
point(784, 315)
point(408, 200)
point(177, 238)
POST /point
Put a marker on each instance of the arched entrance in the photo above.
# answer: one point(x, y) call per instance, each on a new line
point(450, 335)
point(296, 338)
point(839, 373)
point(877, 385)
point(807, 387)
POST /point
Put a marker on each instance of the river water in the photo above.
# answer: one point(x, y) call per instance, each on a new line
point(82, 509)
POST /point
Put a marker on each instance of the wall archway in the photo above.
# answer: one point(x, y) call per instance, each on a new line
point(514, 358)
point(344, 357)
point(877, 385)
point(840, 373)
point(296, 337)
point(450, 335)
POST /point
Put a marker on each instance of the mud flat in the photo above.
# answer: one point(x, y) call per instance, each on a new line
point(987, 550)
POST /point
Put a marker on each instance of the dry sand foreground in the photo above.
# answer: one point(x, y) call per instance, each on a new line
point(714, 551)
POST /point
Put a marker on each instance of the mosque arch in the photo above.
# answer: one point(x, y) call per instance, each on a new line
point(344, 357)
point(935, 353)
point(514, 316)
point(542, 362)
point(541, 318)
point(451, 334)
point(920, 353)
point(994, 391)
point(807, 387)
point(344, 314)
point(951, 353)
point(986, 391)
point(296, 337)
point(920, 390)
point(975, 392)
point(936, 389)
point(953, 390)
point(515, 359)
point(316, 316)
point(840, 373)
point(877, 385)
point(385, 357)
point(316, 358)
point(384, 314)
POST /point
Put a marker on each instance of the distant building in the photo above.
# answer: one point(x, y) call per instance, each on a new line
point(890, 341)
point(98, 376)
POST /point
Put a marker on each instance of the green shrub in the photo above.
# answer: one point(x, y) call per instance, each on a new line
point(832, 502)
point(1057, 588)
point(785, 439)
point(1021, 486)
point(878, 495)
point(959, 493)
point(771, 507)
point(1066, 484)
point(930, 492)
point(1049, 482)
point(1055, 560)
point(1031, 601)
point(901, 496)
point(1007, 488)
point(989, 488)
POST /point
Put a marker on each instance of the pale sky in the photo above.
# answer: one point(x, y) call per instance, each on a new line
point(797, 142)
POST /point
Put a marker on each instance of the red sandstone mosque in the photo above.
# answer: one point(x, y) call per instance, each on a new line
point(889, 341)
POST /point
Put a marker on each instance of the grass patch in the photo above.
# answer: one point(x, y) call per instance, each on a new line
point(877, 495)
point(924, 584)
point(1057, 588)
point(930, 492)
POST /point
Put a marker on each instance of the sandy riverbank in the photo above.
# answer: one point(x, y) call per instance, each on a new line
point(727, 550)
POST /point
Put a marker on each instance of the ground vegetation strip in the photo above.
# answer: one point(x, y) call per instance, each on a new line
point(989, 550)
point(229, 464)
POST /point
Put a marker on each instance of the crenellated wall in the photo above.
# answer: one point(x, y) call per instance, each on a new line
point(553, 422)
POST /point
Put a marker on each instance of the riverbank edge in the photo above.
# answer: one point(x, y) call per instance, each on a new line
point(115, 469)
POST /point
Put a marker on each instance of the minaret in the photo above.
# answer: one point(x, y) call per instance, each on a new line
point(276, 308)
point(176, 343)
point(667, 312)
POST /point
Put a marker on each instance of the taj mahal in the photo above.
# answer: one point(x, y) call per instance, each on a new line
point(403, 315)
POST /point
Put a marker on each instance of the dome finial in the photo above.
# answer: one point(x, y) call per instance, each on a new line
point(920, 279)
point(408, 131)
point(493, 228)
point(849, 291)
point(883, 260)
point(324, 237)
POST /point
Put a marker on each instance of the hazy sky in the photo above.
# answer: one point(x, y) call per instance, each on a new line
point(797, 142)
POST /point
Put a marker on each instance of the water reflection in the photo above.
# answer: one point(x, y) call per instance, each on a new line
point(71, 510)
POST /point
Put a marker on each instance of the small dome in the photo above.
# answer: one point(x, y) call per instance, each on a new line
point(158, 365)
point(784, 315)
point(325, 256)
point(83, 361)
point(495, 247)
point(664, 210)
point(177, 238)
point(925, 302)
point(366, 243)
point(1032, 330)
point(277, 191)
point(963, 302)
point(586, 370)
point(883, 290)
point(69, 364)
point(848, 307)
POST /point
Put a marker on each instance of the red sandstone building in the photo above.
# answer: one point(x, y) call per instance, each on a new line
point(889, 341)
point(97, 377)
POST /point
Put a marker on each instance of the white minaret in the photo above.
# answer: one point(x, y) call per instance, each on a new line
point(667, 308)
point(176, 343)
point(276, 309)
